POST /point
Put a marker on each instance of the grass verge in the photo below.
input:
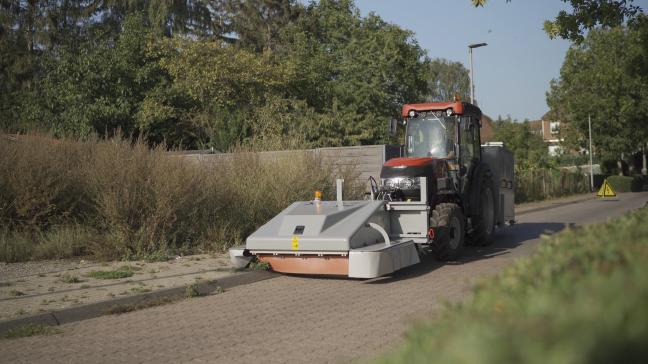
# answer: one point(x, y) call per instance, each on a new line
point(30, 330)
point(581, 298)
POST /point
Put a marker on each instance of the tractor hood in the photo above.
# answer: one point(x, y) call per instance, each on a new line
point(414, 167)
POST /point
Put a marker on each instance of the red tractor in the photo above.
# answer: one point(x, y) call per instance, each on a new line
point(469, 185)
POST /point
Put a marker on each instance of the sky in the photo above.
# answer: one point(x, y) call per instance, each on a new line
point(512, 73)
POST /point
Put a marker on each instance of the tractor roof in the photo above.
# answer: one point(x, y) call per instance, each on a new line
point(458, 108)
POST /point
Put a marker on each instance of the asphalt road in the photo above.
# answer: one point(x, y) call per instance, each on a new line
point(303, 319)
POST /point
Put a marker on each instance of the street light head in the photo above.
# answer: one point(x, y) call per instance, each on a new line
point(477, 45)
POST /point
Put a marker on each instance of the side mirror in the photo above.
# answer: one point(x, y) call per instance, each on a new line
point(393, 126)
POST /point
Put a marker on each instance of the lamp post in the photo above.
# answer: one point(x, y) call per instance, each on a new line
point(472, 85)
point(589, 123)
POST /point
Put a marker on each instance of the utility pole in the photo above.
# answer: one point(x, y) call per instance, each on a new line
point(589, 122)
point(644, 170)
point(472, 84)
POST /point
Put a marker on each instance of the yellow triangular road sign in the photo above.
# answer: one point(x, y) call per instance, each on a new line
point(606, 190)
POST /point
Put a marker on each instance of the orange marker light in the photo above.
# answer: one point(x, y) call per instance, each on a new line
point(318, 195)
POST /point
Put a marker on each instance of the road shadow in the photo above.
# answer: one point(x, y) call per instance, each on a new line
point(505, 241)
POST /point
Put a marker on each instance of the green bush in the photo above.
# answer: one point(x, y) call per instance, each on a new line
point(580, 298)
point(626, 183)
point(118, 198)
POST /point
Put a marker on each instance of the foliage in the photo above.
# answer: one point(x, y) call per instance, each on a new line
point(626, 183)
point(122, 272)
point(601, 78)
point(258, 23)
point(568, 160)
point(529, 150)
point(198, 75)
point(223, 86)
point(448, 79)
point(537, 175)
point(561, 305)
point(361, 69)
point(586, 15)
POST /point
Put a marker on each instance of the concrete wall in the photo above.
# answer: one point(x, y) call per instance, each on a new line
point(366, 160)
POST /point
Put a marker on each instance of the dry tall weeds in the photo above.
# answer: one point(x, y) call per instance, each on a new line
point(118, 198)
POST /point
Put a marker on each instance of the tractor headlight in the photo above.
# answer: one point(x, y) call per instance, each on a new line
point(408, 183)
point(391, 183)
point(403, 183)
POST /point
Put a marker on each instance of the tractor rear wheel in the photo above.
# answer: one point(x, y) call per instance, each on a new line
point(449, 224)
point(483, 221)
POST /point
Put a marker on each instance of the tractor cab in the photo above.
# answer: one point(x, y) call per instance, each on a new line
point(442, 141)
point(430, 135)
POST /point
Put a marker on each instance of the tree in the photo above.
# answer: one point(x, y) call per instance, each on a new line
point(602, 77)
point(42, 39)
point(257, 23)
point(447, 79)
point(528, 148)
point(206, 73)
point(224, 84)
point(587, 15)
point(100, 87)
point(362, 69)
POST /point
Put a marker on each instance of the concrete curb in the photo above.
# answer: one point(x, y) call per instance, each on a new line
point(97, 309)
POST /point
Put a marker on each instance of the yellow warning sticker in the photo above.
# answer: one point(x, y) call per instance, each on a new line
point(606, 190)
point(295, 243)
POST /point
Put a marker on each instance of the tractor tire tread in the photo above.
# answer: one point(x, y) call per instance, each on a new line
point(440, 218)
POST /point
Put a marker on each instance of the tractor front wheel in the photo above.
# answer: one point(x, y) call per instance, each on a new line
point(449, 224)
